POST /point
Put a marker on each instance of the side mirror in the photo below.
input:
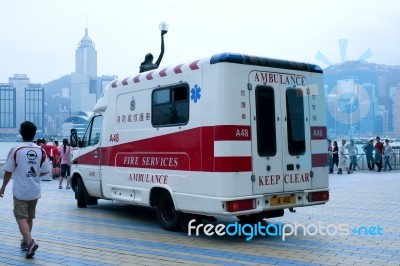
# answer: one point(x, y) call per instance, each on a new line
point(74, 138)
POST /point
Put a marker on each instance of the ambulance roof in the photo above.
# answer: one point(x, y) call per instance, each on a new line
point(263, 61)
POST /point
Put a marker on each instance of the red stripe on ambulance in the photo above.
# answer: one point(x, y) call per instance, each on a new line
point(193, 65)
point(319, 159)
point(178, 69)
point(179, 148)
point(318, 133)
point(162, 73)
point(136, 79)
point(232, 133)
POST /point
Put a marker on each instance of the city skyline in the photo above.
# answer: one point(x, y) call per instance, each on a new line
point(42, 37)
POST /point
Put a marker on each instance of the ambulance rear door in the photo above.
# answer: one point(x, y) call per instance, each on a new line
point(281, 158)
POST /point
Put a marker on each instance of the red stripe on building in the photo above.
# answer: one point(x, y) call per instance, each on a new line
point(136, 79)
point(163, 72)
point(319, 160)
point(193, 65)
point(178, 69)
point(318, 133)
point(125, 82)
point(231, 132)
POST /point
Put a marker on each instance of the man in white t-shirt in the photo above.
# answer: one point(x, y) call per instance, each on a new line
point(25, 163)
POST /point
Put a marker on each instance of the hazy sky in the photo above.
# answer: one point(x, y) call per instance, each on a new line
point(39, 37)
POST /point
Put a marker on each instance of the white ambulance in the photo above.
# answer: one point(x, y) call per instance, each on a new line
point(228, 135)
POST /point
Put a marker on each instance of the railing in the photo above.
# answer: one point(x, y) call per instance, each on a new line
point(394, 160)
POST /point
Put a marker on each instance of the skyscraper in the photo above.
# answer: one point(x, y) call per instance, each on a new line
point(20, 100)
point(84, 79)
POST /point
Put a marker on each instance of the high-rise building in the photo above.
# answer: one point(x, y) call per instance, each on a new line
point(84, 89)
point(20, 100)
point(395, 93)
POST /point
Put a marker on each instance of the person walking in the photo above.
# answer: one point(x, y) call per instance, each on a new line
point(387, 153)
point(65, 153)
point(342, 158)
point(49, 152)
point(353, 151)
point(335, 155)
point(378, 153)
point(26, 163)
point(369, 149)
point(56, 164)
point(330, 160)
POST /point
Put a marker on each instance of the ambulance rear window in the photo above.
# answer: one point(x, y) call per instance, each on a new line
point(265, 112)
point(295, 121)
point(170, 106)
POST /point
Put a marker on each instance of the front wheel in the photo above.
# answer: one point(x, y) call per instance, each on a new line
point(81, 194)
point(167, 215)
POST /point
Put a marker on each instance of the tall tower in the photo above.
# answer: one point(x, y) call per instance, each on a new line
point(86, 57)
point(84, 79)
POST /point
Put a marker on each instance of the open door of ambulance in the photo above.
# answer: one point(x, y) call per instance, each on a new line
point(280, 133)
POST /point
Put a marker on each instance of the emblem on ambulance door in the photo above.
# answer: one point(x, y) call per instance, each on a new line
point(133, 103)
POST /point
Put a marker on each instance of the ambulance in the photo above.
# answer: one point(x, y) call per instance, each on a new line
point(227, 135)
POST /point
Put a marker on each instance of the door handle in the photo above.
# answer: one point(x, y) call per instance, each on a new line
point(96, 154)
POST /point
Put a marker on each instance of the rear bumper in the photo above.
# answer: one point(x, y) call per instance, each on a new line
point(217, 206)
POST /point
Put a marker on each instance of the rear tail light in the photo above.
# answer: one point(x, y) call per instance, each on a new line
point(240, 205)
point(318, 196)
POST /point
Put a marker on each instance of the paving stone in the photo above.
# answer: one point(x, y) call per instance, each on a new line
point(113, 233)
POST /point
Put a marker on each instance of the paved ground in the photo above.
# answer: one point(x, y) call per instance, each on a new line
point(118, 234)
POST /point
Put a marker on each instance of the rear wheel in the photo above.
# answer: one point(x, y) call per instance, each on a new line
point(167, 215)
point(81, 194)
point(186, 218)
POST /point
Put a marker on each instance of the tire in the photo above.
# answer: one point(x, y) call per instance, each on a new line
point(81, 194)
point(185, 218)
point(91, 200)
point(167, 215)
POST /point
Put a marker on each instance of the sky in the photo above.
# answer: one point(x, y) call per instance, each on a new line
point(39, 38)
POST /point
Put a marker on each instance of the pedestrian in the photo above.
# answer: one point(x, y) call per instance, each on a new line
point(378, 153)
point(353, 151)
point(369, 149)
point(56, 164)
point(330, 163)
point(387, 153)
point(335, 155)
point(49, 152)
point(65, 161)
point(25, 163)
point(343, 158)
point(39, 142)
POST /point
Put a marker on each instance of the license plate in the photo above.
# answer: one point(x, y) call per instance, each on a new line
point(282, 200)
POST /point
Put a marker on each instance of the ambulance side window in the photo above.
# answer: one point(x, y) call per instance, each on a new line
point(265, 113)
point(92, 134)
point(170, 106)
point(295, 121)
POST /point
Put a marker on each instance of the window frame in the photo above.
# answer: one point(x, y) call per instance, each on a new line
point(171, 104)
point(266, 145)
point(295, 124)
